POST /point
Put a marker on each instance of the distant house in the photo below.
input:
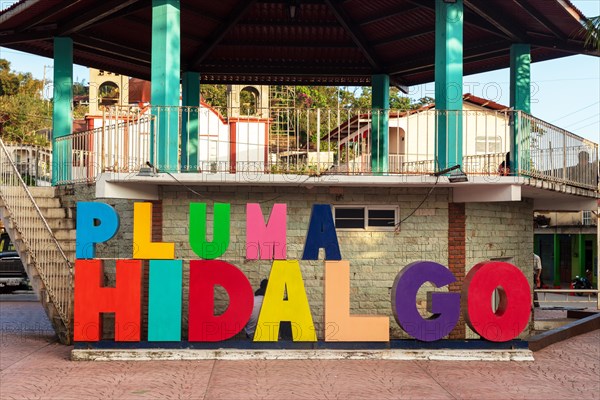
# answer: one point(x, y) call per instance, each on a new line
point(567, 244)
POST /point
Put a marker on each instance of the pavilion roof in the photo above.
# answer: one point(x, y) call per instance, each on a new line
point(334, 42)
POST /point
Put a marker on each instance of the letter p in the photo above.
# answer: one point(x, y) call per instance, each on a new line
point(96, 223)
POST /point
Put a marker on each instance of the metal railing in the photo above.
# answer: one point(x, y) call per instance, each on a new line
point(42, 248)
point(570, 296)
point(333, 141)
point(552, 153)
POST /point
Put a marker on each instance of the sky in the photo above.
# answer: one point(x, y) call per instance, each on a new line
point(565, 92)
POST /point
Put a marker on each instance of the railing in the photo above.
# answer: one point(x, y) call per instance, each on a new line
point(33, 162)
point(571, 296)
point(332, 141)
point(42, 246)
point(552, 153)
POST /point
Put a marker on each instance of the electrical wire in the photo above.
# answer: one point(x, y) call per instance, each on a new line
point(437, 179)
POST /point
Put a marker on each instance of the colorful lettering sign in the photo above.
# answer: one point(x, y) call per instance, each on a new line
point(285, 299)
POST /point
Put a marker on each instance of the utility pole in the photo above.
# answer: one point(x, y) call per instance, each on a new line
point(44, 88)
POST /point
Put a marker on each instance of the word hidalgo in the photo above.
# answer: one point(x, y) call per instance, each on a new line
point(285, 298)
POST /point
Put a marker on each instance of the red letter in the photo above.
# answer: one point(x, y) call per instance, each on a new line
point(91, 299)
point(514, 307)
point(204, 325)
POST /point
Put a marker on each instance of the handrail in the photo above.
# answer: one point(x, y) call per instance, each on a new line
point(43, 247)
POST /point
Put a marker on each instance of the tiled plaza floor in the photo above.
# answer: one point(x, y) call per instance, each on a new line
point(33, 365)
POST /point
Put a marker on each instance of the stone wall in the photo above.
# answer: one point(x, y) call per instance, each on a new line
point(492, 230)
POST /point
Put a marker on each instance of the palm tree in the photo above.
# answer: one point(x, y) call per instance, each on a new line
point(591, 27)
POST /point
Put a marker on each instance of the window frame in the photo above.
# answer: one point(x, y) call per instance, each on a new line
point(586, 218)
point(366, 208)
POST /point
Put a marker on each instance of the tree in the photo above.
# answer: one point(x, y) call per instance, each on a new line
point(591, 28)
point(23, 111)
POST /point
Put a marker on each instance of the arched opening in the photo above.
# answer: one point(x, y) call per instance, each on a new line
point(108, 94)
point(249, 100)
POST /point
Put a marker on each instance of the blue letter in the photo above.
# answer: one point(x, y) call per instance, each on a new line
point(321, 234)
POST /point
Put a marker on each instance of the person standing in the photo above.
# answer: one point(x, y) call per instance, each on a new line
point(537, 278)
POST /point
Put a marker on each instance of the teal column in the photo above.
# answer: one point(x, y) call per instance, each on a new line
point(380, 104)
point(448, 82)
point(520, 100)
point(62, 110)
point(164, 300)
point(166, 60)
point(581, 251)
point(190, 97)
point(556, 247)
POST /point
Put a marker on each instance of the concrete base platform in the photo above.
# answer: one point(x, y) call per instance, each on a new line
point(322, 354)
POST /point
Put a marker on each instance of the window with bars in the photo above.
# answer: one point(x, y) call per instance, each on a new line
point(586, 217)
point(378, 218)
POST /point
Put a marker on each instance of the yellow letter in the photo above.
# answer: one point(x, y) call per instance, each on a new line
point(340, 326)
point(285, 276)
point(143, 247)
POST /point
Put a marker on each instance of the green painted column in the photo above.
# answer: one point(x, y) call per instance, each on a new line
point(165, 74)
point(190, 97)
point(62, 110)
point(380, 104)
point(520, 100)
point(556, 248)
point(449, 82)
point(581, 251)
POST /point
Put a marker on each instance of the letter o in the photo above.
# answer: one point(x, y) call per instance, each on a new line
point(514, 308)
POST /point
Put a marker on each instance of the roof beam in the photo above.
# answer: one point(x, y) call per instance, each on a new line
point(471, 18)
point(132, 9)
point(567, 46)
point(470, 53)
point(497, 20)
point(235, 15)
point(185, 8)
point(302, 45)
point(110, 47)
point(55, 10)
point(94, 15)
point(386, 15)
point(25, 37)
point(354, 32)
point(540, 18)
point(403, 36)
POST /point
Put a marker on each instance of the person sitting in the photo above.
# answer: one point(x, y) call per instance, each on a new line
point(504, 168)
point(259, 296)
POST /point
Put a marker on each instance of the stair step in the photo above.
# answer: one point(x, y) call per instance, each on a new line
point(47, 202)
point(64, 234)
point(60, 223)
point(50, 213)
point(42, 191)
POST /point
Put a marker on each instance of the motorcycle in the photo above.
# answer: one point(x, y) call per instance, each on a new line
point(581, 282)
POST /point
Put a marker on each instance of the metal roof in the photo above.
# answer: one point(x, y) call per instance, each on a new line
point(337, 42)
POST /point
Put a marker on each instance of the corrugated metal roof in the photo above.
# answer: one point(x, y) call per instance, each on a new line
point(326, 42)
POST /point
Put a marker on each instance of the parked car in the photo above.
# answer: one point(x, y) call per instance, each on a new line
point(12, 273)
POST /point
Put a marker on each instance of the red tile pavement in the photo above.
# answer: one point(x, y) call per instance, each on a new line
point(33, 365)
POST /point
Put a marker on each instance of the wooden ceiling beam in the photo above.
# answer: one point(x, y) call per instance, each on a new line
point(94, 15)
point(487, 11)
point(383, 16)
point(54, 11)
point(539, 17)
point(234, 16)
point(355, 33)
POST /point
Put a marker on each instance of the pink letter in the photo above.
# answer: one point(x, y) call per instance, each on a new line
point(267, 240)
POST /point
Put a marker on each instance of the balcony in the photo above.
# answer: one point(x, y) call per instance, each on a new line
point(327, 142)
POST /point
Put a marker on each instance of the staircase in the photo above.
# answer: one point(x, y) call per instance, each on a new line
point(44, 237)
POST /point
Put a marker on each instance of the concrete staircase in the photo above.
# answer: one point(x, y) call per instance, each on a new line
point(53, 282)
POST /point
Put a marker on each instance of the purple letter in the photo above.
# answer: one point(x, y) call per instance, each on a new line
point(444, 306)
